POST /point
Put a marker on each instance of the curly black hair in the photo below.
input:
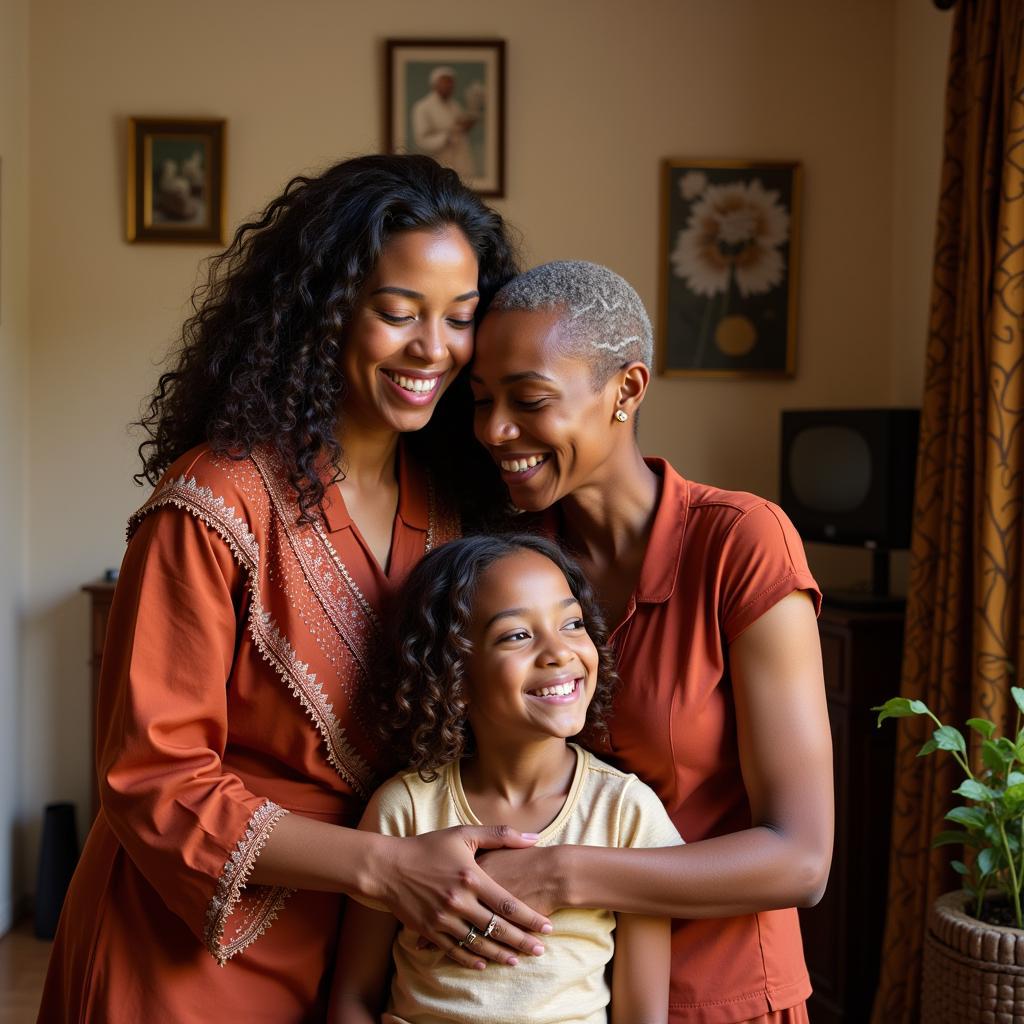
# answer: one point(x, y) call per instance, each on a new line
point(423, 700)
point(258, 361)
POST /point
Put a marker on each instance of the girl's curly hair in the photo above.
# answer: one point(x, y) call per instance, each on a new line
point(258, 361)
point(424, 700)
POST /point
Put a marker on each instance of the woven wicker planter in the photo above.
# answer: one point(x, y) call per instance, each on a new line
point(973, 972)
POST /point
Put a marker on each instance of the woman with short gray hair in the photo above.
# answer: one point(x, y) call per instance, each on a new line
point(721, 709)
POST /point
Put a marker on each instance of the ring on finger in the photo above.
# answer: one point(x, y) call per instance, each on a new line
point(471, 936)
point(490, 926)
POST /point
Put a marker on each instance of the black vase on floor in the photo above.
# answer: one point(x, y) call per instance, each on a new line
point(58, 855)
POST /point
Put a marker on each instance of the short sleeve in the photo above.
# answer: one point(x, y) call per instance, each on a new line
point(762, 561)
point(390, 810)
point(643, 820)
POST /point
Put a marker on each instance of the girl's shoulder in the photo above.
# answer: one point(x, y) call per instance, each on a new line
point(410, 785)
point(607, 783)
point(604, 774)
point(408, 804)
point(632, 812)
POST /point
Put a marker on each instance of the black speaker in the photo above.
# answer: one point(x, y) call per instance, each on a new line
point(58, 855)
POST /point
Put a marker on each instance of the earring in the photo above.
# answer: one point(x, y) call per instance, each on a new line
point(621, 415)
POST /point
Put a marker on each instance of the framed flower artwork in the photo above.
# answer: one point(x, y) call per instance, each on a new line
point(728, 264)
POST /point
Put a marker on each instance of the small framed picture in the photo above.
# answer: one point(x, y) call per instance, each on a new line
point(446, 98)
point(728, 267)
point(175, 180)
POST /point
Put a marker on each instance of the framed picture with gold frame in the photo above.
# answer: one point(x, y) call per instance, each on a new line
point(175, 180)
point(446, 98)
point(728, 268)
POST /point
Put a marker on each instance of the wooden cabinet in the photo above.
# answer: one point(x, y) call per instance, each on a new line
point(101, 593)
point(861, 652)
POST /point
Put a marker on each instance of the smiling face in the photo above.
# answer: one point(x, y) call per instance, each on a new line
point(537, 411)
point(533, 666)
point(411, 330)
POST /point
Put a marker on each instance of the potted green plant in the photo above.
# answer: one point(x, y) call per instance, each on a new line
point(973, 966)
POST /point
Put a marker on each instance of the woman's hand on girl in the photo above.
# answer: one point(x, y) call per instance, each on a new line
point(435, 887)
point(537, 875)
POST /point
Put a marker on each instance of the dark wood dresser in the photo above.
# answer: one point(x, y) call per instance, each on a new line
point(862, 652)
point(100, 593)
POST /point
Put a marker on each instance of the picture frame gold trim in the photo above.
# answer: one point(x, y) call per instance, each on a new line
point(140, 223)
point(493, 181)
point(786, 368)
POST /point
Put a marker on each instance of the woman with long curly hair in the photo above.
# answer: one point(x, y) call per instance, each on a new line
point(237, 741)
point(500, 660)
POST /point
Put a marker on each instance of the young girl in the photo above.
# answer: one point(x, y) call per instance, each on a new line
point(500, 659)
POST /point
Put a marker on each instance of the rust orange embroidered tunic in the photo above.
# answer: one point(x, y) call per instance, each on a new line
point(232, 692)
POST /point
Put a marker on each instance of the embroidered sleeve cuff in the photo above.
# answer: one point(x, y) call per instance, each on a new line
point(236, 918)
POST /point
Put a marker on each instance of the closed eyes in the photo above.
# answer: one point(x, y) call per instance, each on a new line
point(398, 320)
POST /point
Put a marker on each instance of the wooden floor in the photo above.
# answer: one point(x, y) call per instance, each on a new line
point(23, 960)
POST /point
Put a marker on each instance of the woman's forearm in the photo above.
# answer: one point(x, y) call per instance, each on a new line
point(785, 760)
point(303, 853)
point(741, 873)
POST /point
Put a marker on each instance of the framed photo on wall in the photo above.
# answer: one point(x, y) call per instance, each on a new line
point(175, 180)
point(446, 98)
point(728, 268)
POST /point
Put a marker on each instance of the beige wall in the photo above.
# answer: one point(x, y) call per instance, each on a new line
point(921, 50)
point(13, 384)
point(598, 93)
point(922, 45)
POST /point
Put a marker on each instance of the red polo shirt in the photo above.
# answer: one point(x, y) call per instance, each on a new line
point(716, 561)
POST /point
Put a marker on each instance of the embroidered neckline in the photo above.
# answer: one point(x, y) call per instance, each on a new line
point(360, 597)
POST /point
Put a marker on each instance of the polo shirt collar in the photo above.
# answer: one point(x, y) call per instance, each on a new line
point(660, 566)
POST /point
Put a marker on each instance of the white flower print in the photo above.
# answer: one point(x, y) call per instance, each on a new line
point(737, 228)
point(692, 183)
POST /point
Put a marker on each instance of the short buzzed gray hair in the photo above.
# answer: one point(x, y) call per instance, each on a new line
point(603, 320)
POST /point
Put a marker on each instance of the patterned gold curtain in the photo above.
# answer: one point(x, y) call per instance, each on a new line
point(964, 624)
